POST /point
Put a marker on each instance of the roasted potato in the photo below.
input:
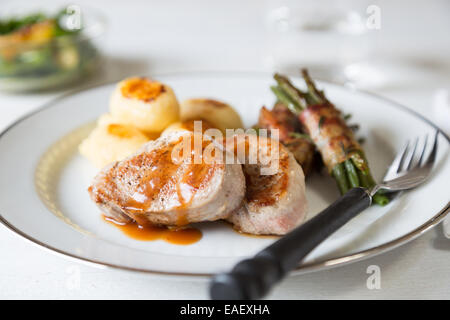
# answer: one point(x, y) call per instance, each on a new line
point(221, 115)
point(111, 141)
point(146, 104)
point(188, 125)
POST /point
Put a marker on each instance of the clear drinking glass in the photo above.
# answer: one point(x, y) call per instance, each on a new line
point(329, 37)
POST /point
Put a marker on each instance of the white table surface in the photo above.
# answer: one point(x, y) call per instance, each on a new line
point(146, 37)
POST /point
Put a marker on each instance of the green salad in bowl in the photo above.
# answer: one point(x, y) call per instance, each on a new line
point(41, 51)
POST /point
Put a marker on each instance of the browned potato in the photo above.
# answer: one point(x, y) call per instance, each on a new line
point(111, 141)
point(221, 115)
point(188, 125)
point(145, 104)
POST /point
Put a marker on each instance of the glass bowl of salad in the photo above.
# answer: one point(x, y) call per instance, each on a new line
point(41, 51)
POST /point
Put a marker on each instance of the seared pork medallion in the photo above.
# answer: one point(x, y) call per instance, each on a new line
point(275, 200)
point(153, 187)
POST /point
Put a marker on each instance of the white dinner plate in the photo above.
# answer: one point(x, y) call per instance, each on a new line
point(44, 180)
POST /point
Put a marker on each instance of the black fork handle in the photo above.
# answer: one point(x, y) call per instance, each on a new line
point(252, 278)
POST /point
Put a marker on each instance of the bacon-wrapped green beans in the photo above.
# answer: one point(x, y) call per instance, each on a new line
point(327, 128)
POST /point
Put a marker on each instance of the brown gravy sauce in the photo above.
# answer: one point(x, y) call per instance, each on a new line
point(162, 178)
point(151, 233)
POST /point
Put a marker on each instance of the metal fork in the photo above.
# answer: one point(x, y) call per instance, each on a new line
point(406, 162)
point(252, 278)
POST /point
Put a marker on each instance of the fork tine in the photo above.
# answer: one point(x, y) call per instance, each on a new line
point(432, 155)
point(413, 178)
point(395, 165)
point(424, 148)
point(403, 157)
point(410, 159)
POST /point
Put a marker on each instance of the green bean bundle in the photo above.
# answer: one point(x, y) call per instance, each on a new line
point(327, 128)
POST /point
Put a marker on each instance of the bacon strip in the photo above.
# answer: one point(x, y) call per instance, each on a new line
point(281, 118)
point(333, 138)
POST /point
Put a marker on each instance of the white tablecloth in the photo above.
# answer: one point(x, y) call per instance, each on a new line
point(154, 37)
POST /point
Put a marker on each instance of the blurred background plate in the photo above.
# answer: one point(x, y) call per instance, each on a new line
point(47, 46)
